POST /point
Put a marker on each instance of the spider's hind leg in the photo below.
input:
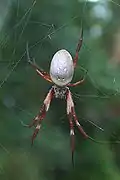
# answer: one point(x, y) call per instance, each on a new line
point(42, 113)
point(72, 115)
point(69, 113)
point(71, 110)
point(72, 134)
point(81, 130)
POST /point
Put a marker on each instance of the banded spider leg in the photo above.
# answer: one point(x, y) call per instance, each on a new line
point(72, 116)
point(42, 113)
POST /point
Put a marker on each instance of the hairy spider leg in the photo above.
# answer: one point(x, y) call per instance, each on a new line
point(79, 45)
point(41, 115)
point(40, 71)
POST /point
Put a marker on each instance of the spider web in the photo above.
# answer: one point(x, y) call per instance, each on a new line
point(11, 65)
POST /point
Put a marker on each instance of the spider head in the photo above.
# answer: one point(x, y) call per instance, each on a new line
point(61, 68)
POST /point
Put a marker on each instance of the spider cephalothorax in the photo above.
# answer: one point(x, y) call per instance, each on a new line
point(61, 73)
point(60, 92)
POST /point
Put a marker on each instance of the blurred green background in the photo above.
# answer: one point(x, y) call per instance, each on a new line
point(49, 26)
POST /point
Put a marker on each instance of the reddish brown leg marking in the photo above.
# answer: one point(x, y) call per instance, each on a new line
point(38, 119)
point(76, 83)
point(71, 114)
point(78, 124)
point(78, 48)
point(71, 126)
point(41, 72)
point(71, 110)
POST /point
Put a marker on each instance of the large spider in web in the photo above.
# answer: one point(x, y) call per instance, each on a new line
point(61, 73)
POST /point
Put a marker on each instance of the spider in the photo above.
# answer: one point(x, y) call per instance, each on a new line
point(61, 73)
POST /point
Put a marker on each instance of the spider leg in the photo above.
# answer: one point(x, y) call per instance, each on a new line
point(42, 113)
point(79, 45)
point(76, 83)
point(40, 71)
point(71, 128)
point(39, 117)
point(81, 130)
point(72, 137)
point(35, 133)
point(70, 109)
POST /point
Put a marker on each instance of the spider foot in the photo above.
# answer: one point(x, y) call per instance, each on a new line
point(32, 62)
point(73, 159)
point(86, 72)
point(41, 115)
point(72, 140)
point(23, 124)
point(81, 130)
point(79, 45)
point(35, 120)
point(80, 41)
point(72, 145)
point(35, 133)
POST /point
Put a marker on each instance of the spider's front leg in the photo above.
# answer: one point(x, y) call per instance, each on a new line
point(41, 115)
point(79, 45)
point(40, 71)
point(71, 114)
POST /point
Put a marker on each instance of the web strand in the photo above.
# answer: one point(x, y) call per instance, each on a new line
point(40, 41)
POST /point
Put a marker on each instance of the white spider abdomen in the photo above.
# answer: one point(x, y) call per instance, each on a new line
point(61, 68)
